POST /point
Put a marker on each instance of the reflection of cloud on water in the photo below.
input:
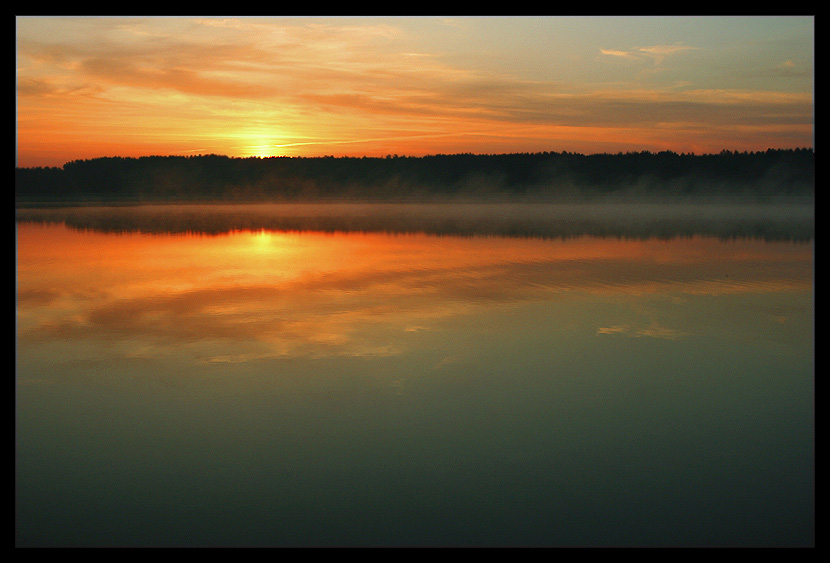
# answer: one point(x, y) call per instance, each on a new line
point(359, 313)
point(355, 295)
point(262, 321)
point(616, 329)
point(344, 349)
point(654, 330)
point(657, 331)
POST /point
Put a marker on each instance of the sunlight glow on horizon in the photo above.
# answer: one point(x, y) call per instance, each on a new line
point(89, 87)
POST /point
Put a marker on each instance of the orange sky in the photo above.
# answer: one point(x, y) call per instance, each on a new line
point(133, 86)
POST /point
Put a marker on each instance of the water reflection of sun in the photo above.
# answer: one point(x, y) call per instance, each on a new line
point(286, 248)
point(268, 242)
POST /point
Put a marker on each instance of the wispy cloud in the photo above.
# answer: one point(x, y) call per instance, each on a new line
point(655, 53)
point(617, 53)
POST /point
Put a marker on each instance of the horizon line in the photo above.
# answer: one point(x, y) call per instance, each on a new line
point(391, 156)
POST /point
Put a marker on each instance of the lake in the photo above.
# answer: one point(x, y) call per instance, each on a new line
point(610, 374)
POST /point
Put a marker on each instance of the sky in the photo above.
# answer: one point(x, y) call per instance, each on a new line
point(90, 87)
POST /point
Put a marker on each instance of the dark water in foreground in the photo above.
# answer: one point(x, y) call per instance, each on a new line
point(341, 377)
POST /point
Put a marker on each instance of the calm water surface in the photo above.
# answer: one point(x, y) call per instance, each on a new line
point(180, 385)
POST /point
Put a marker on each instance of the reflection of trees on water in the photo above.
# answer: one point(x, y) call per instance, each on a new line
point(781, 221)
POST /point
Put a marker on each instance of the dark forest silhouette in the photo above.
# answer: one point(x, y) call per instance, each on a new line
point(543, 175)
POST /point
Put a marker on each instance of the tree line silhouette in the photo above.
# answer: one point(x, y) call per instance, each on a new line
point(542, 175)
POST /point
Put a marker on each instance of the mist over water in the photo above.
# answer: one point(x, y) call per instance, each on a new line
point(779, 220)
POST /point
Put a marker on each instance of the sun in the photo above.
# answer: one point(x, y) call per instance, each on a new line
point(260, 143)
point(260, 151)
point(261, 146)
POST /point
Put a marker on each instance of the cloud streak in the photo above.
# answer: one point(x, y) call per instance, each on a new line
point(654, 53)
